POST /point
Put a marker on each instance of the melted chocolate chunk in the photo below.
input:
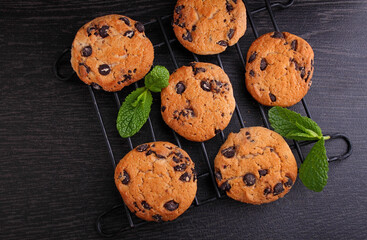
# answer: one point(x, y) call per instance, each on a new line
point(90, 29)
point(195, 174)
point(230, 33)
point(277, 35)
point(267, 191)
point(96, 86)
point(278, 188)
point(205, 86)
point(139, 26)
point(218, 175)
point(142, 148)
point(303, 72)
point(171, 205)
point(86, 51)
point(163, 108)
point(198, 70)
point(223, 43)
point(125, 20)
point(179, 154)
point(149, 152)
point(176, 160)
point(103, 31)
point(263, 172)
point(193, 28)
point(252, 73)
point(252, 57)
point(263, 64)
point(249, 179)
point(187, 36)
point(104, 69)
point(180, 168)
point(125, 178)
point(157, 218)
point(146, 205)
point(289, 182)
point(129, 34)
point(179, 8)
point(180, 87)
point(229, 152)
point(225, 186)
point(273, 98)
point(294, 45)
point(186, 177)
point(229, 7)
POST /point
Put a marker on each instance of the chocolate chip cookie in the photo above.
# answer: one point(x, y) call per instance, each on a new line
point(279, 69)
point(198, 101)
point(255, 166)
point(111, 52)
point(157, 181)
point(209, 27)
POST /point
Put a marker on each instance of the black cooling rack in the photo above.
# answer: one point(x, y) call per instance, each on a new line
point(167, 43)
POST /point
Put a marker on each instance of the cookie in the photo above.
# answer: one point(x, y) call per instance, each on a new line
point(157, 181)
point(198, 102)
point(255, 166)
point(279, 69)
point(209, 27)
point(111, 52)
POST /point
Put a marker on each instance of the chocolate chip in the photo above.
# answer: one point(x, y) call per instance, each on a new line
point(247, 133)
point(198, 70)
point(127, 77)
point(273, 98)
point(142, 148)
point(225, 186)
point(146, 205)
point(103, 31)
point(87, 69)
point(308, 75)
point(86, 51)
point(267, 191)
point(179, 8)
point(187, 36)
point(223, 43)
point(149, 152)
point(185, 177)
point(294, 45)
point(171, 205)
point(159, 156)
point(163, 108)
point(263, 64)
point(229, 152)
point(90, 29)
point(187, 112)
point(193, 28)
point(104, 69)
point(229, 7)
point(157, 218)
point(249, 179)
point(252, 57)
point(252, 73)
point(139, 26)
point(303, 72)
point(205, 86)
point(125, 20)
point(126, 178)
point(176, 160)
point(263, 172)
point(230, 33)
point(278, 188)
point(180, 168)
point(195, 174)
point(179, 154)
point(180, 87)
point(129, 34)
point(277, 35)
point(96, 86)
point(218, 175)
point(289, 182)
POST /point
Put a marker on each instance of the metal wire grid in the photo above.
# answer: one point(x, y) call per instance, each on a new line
point(296, 145)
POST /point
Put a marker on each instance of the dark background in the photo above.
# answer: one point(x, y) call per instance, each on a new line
point(55, 173)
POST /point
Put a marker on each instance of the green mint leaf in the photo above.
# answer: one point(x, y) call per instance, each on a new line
point(313, 171)
point(292, 125)
point(157, 79)
point(134, 112)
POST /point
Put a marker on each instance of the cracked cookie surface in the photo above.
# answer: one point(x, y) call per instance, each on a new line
point(157, 181)
point(255, 166)
point(209, 27)
point(279, 69)
point(198, 102)
point(111, 52)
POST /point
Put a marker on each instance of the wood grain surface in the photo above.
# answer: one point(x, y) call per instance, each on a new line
point(55, 173)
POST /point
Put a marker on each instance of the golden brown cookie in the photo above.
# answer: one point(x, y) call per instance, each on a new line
point(157, 181)
point(279, 69)
point(111, 52)
point(255, 166)
point(198, 101)
point(209, 27)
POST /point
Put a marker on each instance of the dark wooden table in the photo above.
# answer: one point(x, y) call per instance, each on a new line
point(55, 173)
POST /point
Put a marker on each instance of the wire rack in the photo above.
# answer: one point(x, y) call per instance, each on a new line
point(168, 43)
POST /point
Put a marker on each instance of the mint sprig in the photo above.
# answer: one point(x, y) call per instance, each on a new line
point(134, 111)
point(313, 171)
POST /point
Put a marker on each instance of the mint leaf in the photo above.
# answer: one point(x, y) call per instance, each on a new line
point(134, 112)
point(157, 79)
point(292, 125)
point(313, 171)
